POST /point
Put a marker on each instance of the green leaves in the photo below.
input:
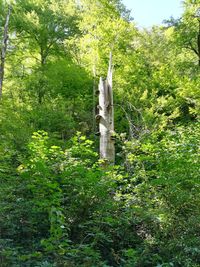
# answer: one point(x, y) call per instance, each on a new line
point(164, 182)
point(47, 24)
point(59, 208)
point(65, 187)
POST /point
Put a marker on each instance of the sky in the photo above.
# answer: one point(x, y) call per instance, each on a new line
point(147, 13)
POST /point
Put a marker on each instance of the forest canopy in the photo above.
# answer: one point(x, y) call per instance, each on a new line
point(61, 204)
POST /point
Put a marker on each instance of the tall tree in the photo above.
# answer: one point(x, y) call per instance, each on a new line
point(43, 26)
point(188, 29)
point(46, 24)
point(4, 48)
point(106, 117)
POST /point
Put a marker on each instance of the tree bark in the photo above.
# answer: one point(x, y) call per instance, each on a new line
point(106, 117)
point(94, 100)
point(4, 49)
point(198, 42)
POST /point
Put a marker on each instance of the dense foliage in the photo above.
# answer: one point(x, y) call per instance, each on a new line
point(58, 206)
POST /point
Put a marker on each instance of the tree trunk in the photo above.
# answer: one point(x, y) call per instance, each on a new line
point(4, 49)
point(94, 100)
point(198, 43)
point(106, 118)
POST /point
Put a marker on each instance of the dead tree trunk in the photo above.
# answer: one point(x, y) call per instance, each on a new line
point(4, 49)
point(94, 100)
point(106, 118)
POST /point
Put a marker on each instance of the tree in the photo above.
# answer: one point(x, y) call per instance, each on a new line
point(4, 48)
point(106, 117)
point(42, 27)
point(188, 29)
point(46, 24)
